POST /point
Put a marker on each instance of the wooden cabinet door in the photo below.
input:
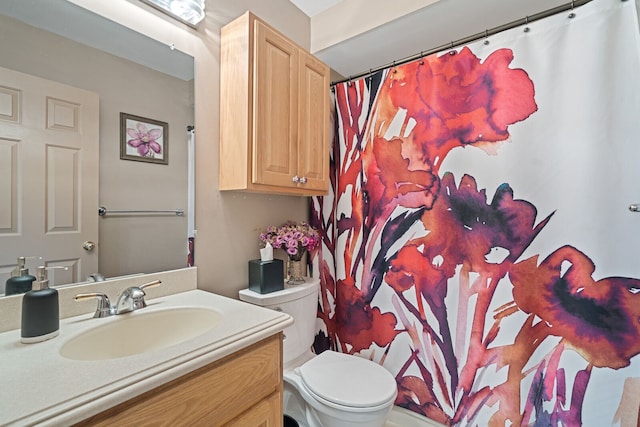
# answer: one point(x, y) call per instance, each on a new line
point(275, 108)
point(267, 413)
point(313, 122)
point(274, 113)
point(246, 385)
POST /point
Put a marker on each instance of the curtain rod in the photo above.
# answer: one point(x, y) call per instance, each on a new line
point(478, 36)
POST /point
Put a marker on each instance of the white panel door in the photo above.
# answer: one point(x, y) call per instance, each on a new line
point(49, 135)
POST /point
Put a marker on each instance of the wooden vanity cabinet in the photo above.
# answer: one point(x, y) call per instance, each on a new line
point(242, 389)
point(274, 112)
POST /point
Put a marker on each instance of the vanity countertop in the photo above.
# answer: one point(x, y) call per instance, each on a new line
point(40, 387)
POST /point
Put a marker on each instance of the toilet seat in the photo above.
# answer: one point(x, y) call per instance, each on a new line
point(342, 380)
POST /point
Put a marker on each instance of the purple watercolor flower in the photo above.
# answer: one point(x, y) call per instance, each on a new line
point(145, 140)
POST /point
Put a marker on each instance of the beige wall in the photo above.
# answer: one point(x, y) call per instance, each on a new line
point(351, 18)
point(227, 224)
point(127, 244)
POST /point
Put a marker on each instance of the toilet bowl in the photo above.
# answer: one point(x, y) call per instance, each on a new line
point(342, 390)
point(330, 389)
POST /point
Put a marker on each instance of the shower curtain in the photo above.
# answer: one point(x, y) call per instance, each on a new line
point(477, 240)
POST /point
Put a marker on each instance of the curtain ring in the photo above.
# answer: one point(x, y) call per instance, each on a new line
point(526, 23)
point(421, 58)
point(452, 52)
point(486, 37)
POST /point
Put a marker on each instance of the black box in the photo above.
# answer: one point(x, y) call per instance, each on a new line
point(266, 276)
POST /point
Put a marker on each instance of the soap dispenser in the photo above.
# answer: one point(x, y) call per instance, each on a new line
point(40, 310)
point(20, 281)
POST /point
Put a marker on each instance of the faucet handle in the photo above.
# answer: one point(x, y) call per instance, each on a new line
point(96, 277)
point(138, 293)
point(151, 284)
point(132, 298)
point(104, 305)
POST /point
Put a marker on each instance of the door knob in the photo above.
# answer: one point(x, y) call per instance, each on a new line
point(88, 246)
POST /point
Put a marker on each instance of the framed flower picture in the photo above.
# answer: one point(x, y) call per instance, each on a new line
point(144, 140)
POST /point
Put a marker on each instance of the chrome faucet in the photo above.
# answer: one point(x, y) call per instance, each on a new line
point(131, 299)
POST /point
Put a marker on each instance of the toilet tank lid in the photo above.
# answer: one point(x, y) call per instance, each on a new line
point(289, 293)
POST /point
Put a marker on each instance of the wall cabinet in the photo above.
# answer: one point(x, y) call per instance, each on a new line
point(274, 112)
point(243, 389)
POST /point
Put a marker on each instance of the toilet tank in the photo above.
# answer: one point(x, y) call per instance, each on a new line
point(298, 301)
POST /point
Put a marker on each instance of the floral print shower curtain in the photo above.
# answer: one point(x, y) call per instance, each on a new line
point(477, 240)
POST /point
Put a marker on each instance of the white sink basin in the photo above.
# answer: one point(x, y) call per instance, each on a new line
point(139, 332)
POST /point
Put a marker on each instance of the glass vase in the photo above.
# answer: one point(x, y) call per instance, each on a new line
point(295, 272)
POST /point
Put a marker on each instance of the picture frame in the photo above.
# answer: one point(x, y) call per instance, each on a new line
point(143, 139)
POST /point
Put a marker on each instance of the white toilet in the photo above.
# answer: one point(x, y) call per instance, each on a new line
point(331, 389)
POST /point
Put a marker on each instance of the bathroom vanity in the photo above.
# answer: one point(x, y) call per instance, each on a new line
point(225, 372)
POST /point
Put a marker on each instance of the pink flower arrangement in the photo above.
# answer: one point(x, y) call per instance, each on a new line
point(293, 237)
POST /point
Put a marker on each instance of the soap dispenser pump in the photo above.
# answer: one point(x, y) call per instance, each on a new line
point(40, 310)
point(20, 281)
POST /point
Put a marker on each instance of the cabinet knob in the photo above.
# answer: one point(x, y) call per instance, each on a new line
point(303, 180)
point(296, 179)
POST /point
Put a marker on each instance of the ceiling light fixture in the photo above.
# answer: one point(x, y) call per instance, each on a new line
point(191, 12)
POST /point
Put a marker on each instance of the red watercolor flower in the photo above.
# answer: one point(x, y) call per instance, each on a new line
point(361, 325)
point(391, 183)
point(458, 100)
point(412, 268)
point(600, 319)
